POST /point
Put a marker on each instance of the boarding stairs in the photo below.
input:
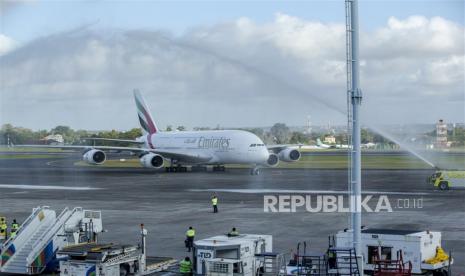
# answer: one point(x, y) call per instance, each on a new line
point(345, 261)
point(16, 249)
point(44, 247)
point(16, 263)
point(39, 238)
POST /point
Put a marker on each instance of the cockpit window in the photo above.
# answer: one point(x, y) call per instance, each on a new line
point(253, 145)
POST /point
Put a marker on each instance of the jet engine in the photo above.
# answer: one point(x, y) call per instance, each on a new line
point(152, 161)
point(289, 155)
point(94, 156)
point(273, 160)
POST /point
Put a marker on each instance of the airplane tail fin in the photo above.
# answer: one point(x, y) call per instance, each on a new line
point(318, 142)
point(145, 118)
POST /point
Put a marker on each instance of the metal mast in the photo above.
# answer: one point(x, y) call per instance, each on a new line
point(354, 119)
point(349, 107)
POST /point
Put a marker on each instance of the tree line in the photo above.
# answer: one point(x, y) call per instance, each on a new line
point(279, 133)
point(20, 135)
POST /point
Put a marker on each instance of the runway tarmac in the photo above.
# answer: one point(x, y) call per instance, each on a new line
point(168, 203)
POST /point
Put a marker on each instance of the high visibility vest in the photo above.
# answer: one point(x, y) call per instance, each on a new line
point(13, 234)
point(14, 227)
point(190, 233)
point(215, 201)
point(3, 228)
point(185, 266)
point(234, 233)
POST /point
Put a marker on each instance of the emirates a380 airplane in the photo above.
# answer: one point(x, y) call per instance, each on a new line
point(195, 148)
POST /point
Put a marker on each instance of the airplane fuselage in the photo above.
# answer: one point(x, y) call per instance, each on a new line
point(224, 146)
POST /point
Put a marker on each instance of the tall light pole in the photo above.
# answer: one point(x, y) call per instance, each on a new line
point(355, 102)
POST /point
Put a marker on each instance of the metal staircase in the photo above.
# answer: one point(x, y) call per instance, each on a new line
point(16, 250)
point(309, 263)
point(344, 262)
point(44, 247)
point(42, 234)
point(17, 262)
point(272, 263)
point(312, 264)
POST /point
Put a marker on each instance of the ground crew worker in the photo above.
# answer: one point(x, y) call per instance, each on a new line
point(331, 258)
point(233, 232)
point(3, 229)
point(185, 266)
point(215, 203)
point(190, 234)
point(14, 228)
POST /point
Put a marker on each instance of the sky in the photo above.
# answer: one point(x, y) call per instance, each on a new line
point(227, 63)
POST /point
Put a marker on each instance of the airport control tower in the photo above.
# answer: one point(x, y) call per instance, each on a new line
point(441, 134)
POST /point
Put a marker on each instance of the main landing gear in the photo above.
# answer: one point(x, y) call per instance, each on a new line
point(255, 171)
point(178, 168)
point(199, 168)
point(219, 168)
point(175, 167)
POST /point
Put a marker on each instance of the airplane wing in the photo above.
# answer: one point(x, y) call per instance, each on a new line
point(184, 157)
point(113, 140)
point(83, 147)
point(278, 148)
point(170, 154)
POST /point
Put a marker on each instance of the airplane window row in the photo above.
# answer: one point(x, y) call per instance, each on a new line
point(257, 145)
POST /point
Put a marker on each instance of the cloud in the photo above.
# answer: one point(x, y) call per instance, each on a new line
point(6, 44)
point(239, 73)
point(416, 36)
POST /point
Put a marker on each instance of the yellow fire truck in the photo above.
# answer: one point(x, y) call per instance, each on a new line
point(445, 180)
